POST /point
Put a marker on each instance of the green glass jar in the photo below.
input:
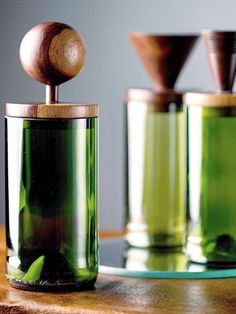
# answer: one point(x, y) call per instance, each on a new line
point(51, 197)
point(211, 177)
point(155, 189)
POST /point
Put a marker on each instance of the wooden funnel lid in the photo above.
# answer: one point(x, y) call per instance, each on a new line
point(221, 51)
point(163, 56)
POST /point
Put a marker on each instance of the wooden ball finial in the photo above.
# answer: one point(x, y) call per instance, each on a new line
point(52, 53)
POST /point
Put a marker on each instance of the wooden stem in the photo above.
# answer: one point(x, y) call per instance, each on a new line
point(51, 94)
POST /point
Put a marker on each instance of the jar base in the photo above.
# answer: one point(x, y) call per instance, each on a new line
point(17, 284)
point(194, 253)
point(161, 241)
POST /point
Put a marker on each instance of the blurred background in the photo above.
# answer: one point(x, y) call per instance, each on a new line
point(112, 66)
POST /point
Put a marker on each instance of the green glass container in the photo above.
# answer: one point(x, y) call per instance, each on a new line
point(154, 164)
point(52, 198)
point(211, 177)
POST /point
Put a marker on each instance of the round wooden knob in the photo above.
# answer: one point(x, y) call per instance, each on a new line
point(52, 53)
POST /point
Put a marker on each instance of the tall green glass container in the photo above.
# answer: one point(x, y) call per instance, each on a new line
point(52, 171)
point(52, 199)
point(211, 177)
point(154, 163)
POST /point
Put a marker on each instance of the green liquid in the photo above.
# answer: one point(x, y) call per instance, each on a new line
point(216, 229)
point(155, 178)
point(51, 202)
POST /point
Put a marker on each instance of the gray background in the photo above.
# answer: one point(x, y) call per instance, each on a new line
point(112, 66)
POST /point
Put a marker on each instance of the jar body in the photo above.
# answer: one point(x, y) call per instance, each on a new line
point(211, 174)
point(155, 191)
point(51, 203)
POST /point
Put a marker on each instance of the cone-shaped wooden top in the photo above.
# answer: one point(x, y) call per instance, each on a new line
point(221, 50)
point(163, 56)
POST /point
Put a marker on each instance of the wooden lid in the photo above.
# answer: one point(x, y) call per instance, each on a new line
point(221, 52)
point(52, 53)
point(159, 101)
point(163, 55)
point(149, 95)
point(210, 100)
point(55, 111)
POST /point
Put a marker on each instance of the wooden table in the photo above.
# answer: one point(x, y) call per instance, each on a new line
point(115, 294)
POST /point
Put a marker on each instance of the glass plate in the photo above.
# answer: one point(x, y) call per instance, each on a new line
point(116, 258)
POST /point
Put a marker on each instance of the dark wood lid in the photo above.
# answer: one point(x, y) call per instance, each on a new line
point(163, 55)
point(52, 53)
point(210, 100)
point(52, 111)
point(221, 52)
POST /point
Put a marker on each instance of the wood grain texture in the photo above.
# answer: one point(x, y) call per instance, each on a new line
point(52, 53)
point(221, 52)
point(210, 100)
point(163, 56)
point(154, 100)
point(113, 294)
point(52, 111)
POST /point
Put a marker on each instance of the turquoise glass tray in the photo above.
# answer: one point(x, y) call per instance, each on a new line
point(116, 258)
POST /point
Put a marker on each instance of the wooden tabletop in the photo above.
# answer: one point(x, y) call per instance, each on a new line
point(114, 294)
